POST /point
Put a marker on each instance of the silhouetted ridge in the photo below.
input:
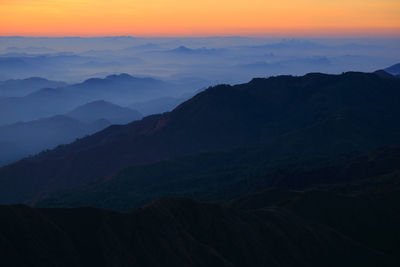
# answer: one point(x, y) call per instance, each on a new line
point(173, 232)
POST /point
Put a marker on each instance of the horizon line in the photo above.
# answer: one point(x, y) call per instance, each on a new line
point(319, 32)
point(347, 36)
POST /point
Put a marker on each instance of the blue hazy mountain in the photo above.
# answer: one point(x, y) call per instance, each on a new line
point(22, 139)
point(213, 59)
point(104, 110)
point(31, 49)
point(197, 51)
point(22, 87)
point(120, 89)
point(42, 103)
point(394, 70)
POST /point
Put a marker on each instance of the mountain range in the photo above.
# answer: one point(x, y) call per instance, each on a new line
point(120, 89)
point(19, 88)
point(215, 60)
point(280, 171)
point(311, 115)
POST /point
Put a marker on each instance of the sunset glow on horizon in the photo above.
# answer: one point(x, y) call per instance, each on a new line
point(199, 18)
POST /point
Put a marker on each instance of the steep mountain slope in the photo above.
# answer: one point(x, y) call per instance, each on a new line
point(104, 110)
point(316, 114)
point(157, 106)
point(174, 232)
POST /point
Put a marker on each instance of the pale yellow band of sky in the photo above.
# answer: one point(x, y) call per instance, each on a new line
point(207, 17)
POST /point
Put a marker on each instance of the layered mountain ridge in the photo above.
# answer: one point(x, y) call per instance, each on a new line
point(21, 139)
point(285, 171)
point(315, 114)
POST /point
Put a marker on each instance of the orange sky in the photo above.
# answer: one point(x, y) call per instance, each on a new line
point(206, 17)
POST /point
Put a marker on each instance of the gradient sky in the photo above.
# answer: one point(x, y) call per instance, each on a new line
point(200, 18)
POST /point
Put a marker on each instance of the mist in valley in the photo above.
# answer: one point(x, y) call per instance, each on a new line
point(78, 82)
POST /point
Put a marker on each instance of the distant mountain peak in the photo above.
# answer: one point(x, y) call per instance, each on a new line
point(182, 49)
point(32, 79)
point(119, 76)
point(109, 78)
point(201, 50)
point(122, 77)
point(36, 79)
point(99, 102)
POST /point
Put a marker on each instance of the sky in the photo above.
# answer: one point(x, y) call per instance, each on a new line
point(339, 18)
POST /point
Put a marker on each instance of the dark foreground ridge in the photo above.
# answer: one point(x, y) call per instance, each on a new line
point(175, 232)
point(357, 197)
point(346, 214)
